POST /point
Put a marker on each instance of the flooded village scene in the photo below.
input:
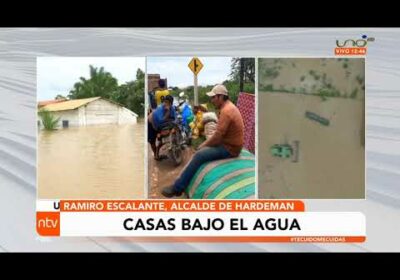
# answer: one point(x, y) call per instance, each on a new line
point(90, 121)
point(311, 128)
point(183, 114)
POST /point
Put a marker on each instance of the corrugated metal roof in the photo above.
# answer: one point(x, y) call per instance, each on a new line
point(69, 105)
point(47, 102)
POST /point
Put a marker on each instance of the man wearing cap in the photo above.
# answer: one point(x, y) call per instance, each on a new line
point(226, 142)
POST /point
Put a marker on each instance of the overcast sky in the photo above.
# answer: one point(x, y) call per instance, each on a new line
point(57, 75)
point(176, 70)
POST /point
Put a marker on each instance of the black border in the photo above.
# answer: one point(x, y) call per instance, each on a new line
point(283, 13)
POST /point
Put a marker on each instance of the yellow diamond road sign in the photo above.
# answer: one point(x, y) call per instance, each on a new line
point(195, 65)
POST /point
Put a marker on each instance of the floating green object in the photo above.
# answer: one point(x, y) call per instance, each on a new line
point(283, 151)
point(315, 117)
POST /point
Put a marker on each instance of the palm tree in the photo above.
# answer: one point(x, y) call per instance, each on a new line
point(100, 83)
point(48, 119)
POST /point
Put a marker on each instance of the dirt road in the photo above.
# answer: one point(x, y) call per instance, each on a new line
point(164, 173)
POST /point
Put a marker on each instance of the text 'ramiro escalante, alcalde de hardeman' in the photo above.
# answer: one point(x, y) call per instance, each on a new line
point(157, 205)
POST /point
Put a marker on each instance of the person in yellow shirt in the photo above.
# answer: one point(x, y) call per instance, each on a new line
point(197, 124)
point(161, 91)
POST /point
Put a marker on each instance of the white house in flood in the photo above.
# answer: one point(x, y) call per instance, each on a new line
point(88, 111)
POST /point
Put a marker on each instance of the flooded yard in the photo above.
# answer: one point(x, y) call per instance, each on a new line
point(329, 161)
point(311, 128)
point(93, 162)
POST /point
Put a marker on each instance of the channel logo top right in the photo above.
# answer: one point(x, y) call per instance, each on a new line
point(353, 46)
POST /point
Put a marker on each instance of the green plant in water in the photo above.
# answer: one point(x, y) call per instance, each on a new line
point(271, 72)
point(354, 93)
point(328, 92)
point(49, 121)
point(268, 87)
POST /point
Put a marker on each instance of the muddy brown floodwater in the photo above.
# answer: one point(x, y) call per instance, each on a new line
point(92, 162)
point(330, 159)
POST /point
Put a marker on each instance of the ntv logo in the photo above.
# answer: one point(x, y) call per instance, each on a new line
point(360, 43)
point(353, 47)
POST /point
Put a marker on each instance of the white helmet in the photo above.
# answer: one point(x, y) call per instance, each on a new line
point(181, 99)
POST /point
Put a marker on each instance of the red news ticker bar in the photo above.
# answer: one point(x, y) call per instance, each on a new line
point(182, 206)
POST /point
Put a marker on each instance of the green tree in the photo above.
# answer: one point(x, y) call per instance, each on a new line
point(103, 84)
point(100, 83)
point(243, 69)
point(131, 94)
point(134, 92)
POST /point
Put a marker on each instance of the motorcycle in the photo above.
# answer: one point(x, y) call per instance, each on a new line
point(169, 136)
point(175, 136)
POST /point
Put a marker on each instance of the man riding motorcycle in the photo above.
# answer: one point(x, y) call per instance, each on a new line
point(161, 116)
